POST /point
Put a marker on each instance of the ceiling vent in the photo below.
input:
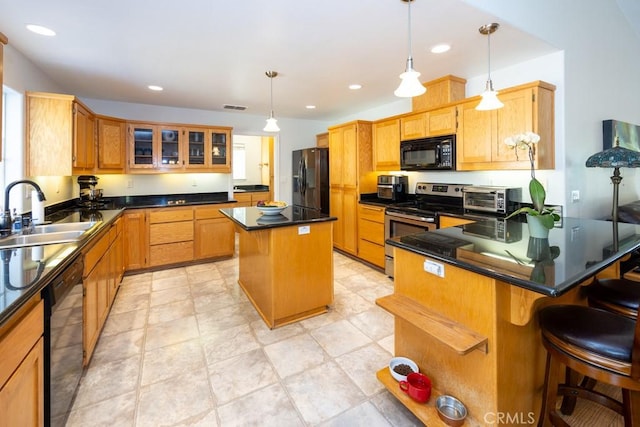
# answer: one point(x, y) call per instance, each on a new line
point(234, 107)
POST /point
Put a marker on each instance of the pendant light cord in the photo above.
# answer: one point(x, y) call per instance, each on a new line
point(409, 31)
point(271, 80)
point(489, 55)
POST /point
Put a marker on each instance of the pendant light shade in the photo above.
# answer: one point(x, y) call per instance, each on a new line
point(272, 123)
point(410, 86)
point(490, 99)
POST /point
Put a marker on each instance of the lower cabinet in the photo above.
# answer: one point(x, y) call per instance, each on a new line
point(22, 367)
point(135, 245)
point(170, 236)
point(214, 233)
point(371, 234)
point(103, 270)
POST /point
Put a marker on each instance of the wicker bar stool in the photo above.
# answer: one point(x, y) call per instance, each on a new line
point(596, 344)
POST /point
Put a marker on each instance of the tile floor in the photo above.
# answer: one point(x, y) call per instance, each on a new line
point(184, 347)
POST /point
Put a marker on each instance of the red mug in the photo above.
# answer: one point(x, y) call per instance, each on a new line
point(417, 386)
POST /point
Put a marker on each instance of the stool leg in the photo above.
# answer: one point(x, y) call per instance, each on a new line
point(550, 393)
point(569, 402)
point(631, 403)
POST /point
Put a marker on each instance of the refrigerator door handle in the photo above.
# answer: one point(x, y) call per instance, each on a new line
point(301, 176)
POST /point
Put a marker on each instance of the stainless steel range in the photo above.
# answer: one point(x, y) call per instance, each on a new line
point(420, 214)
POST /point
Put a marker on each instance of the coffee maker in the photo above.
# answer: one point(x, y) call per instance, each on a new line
point(90, 196)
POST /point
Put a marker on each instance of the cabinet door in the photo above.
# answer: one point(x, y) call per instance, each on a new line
point(515, 117)
point(135, 240)
point(111, 146)
point(171, 152)
point(386, 143)
point(214, 237)
point(441, 122)
point(475, 133)
point(350, 156)
point(22, 396)
point(336, 209)
point(142, 149)
point(220, 150)
point(90, 313)
point(336, 144)
point(84, 150)
point(413, 126)
point(350, 221)
point(196, 149)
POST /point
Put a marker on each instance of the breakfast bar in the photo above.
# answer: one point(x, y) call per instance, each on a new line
point(285, 262)
point(465, 309)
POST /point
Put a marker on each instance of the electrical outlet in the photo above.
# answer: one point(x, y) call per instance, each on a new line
point(130, 183)
point(194, 183)
point(575, 232)
point(434, 268)
point(575, 196)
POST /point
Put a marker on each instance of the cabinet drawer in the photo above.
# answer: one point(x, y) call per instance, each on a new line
point(170, 215)
point(96, 252)
point(371, 252)
point(170, 232)
point(371, 213)
point(242, 197)
point(170, 253)
point(212, 211)
point(371, 231)
point(16, 343)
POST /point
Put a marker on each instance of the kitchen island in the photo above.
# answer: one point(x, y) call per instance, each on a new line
point(465, 308)
point(285, 262)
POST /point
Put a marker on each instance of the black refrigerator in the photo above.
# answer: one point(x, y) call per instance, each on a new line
point(311, 179)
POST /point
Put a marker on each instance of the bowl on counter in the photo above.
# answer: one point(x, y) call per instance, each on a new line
point(271, 210)
point(398, 363)
point(451, 410)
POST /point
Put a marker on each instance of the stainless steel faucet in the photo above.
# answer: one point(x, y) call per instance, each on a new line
point(5, 217)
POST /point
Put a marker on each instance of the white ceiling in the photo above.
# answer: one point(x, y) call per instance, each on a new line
point(207, 53)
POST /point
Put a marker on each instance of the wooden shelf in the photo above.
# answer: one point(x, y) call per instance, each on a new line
point(453, 334)
point(426, 412)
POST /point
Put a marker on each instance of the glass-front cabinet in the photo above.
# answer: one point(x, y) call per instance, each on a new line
point(160, 147)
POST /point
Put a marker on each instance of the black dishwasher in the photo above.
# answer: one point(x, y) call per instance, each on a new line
point(62, 342)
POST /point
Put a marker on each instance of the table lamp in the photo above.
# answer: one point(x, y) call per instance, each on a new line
point(615, 157)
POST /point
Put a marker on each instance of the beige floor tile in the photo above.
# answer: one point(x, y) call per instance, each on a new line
point(322, 320)
point(228, 343)
point(340, 337)
point(322, 392)
point(241, 375)
point(294, 355)
point(172, 332)
point(123, 304)
point(212, 301)
point(219, 320)
point(375, 323)
point(363, 415)
point(350, 303)
point(123, 322)
point(106, 380)
point(198, 276)
point(175, 400)
point(394, 411)
point(268, 407)
point(171, 311)
point(172, 361)
point(116, 411)
point(205, 419)
point(207, 287)
point(388, 343)
point(165, 296)
point(361, 366)
point(119, 346)
point(176, 279)
point(268, 336)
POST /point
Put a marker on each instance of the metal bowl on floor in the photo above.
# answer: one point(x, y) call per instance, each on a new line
point(451, 410)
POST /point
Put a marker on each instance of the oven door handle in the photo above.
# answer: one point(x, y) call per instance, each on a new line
point(411, 217)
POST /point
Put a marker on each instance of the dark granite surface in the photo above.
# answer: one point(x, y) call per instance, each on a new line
point(252, 188)
point(573, 253)
point(162, 200)
point(27, 270)
point(252, 218)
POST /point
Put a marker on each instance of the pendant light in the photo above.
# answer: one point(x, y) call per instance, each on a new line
point(410, 86)
point(272, 125)
point(490, 99)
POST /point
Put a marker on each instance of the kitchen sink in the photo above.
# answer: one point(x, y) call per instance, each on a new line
point(60, 227)
point(41, 239)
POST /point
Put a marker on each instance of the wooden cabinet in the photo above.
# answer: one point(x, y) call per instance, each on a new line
point(322, 140)
point(350, 173)
point(386, 143)
point(371, 234)
point(480, 138)
point(170, 235)
point(250, 198)
point(214, 233)
point(68, 122)
point(444, 90)
point(22, 367)
point(441, 121)
point(136, 246)
point(111, 145)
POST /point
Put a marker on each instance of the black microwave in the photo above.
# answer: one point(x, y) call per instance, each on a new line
point(435, 153)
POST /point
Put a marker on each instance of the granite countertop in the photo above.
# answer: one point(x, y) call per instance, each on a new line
point(27, 270)
point(251, 218)
point(574, 252)
point(162, 200)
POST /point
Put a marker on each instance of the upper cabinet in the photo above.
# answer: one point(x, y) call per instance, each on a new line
point(3, 41)
point(442, 91)
point(481, 134)
point(111, 145)
point(441, 121)
point(386, 144)
point(60, 135)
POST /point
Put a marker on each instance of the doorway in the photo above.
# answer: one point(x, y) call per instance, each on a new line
point(253, 158)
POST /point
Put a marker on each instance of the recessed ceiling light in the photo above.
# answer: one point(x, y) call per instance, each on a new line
point(355, 86)
point(39, 29)
point(310, 107)
point(440, 48)
point(156, 88)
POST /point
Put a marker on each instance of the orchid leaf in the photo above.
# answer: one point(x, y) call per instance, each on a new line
point(537, 193)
